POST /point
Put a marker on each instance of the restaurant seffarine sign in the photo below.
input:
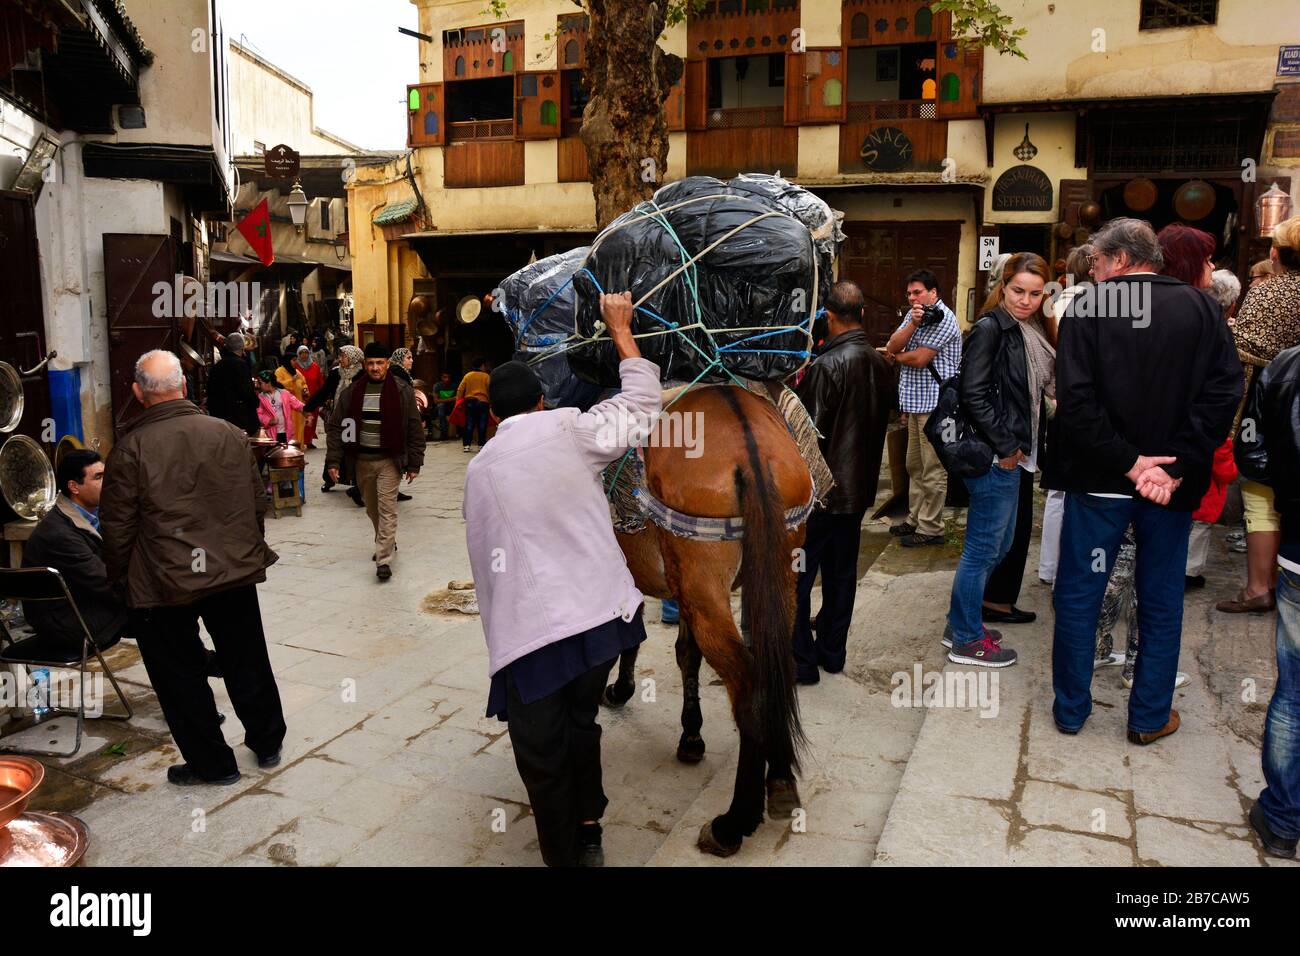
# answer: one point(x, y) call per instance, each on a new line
point(1022, 188)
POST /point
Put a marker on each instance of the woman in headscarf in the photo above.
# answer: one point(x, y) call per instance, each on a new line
point(292, 381)
point(351, 362)
point(306, 366)
point(400, 364)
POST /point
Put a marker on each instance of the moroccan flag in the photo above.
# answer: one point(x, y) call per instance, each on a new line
point(256, 228)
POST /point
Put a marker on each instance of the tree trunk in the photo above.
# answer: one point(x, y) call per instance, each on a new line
point(623, 126)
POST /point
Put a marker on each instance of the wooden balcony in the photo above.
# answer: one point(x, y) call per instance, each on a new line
point(753, 117)
point(469, 54)
point(750, 139)
point(482, 153)
point(500, 129)
point(915, 118)
point(742, 27)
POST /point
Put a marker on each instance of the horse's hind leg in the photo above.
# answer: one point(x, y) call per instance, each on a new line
point(690, 747)
point(701, 572)
point(620, 692)
point(782, 792)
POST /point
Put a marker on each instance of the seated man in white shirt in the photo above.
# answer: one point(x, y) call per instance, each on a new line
point(557, 600)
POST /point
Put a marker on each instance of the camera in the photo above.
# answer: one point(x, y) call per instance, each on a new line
point(931, 315)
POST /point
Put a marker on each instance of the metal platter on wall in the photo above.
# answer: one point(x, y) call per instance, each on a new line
point(1194, 200)
point(1140, 194)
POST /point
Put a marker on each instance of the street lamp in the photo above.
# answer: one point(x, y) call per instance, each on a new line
point(297, 203)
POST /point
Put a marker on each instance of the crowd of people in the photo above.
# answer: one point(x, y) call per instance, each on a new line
point(1149, 399)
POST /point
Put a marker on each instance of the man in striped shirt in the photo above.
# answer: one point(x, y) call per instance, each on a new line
point(376, 423)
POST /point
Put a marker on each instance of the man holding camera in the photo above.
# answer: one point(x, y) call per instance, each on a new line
point(928, 338)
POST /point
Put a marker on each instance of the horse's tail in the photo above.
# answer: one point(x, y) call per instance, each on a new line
point(765, 594)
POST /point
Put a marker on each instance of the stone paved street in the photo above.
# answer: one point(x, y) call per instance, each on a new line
point(389, 762)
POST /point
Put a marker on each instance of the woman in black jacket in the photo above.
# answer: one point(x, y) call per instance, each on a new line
point(1007, 365)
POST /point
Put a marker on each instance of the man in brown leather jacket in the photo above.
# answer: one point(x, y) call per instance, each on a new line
point(847, 393)
point(181, 517)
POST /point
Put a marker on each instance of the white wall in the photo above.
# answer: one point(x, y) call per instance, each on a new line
point(72, 216)
point(271, 107)
point(1053, 134)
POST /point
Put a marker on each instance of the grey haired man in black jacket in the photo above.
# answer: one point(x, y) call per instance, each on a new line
point(1147, 382)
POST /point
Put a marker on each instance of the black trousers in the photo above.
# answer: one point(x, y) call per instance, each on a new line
point(557, 749)
point(1003, 585)
point(831, 545)
point(174, 656)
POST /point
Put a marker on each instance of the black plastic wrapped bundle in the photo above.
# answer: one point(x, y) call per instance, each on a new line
point(755, 288)
point(538, 301)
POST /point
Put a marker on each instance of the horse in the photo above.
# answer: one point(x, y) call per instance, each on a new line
point(750, 467)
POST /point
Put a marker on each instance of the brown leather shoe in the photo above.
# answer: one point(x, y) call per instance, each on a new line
point(1259, 604)
point(1143, 739)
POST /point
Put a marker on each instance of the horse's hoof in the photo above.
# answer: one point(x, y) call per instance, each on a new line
point(616, 695)
point(690, 749)
point(709, 844)
point(782, 799)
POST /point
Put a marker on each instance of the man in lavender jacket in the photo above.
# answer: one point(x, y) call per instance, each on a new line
point(557, 600)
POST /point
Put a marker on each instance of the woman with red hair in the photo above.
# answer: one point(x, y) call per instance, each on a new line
point(1187, 253)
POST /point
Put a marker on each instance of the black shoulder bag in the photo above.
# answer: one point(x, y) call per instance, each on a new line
point(959, 446)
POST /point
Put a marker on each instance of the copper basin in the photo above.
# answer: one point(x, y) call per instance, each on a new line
point(288, 456)
point(19, 778)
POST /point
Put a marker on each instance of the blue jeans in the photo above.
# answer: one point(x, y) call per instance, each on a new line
point(476, 420)
point(1091, 533)
point(990, 528)
point(444, 409)
point(1280, 798)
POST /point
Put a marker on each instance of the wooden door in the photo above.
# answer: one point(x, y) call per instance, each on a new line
point(696, 84)
point(814, 86)
point(537, 105)
point(878, 256)
point(133, 265)
point(425, 115)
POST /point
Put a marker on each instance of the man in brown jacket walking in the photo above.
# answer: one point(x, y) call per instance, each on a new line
point(182, 518)
point(376, 424)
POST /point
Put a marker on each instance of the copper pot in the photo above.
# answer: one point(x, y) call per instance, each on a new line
point(19, 777)
point(288, 456)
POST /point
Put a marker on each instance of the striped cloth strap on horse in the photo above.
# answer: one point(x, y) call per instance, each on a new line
point(631, 504)
point(710, 529)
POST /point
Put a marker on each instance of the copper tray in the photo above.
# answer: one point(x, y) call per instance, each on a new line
point(43, 839)
point(19, 777)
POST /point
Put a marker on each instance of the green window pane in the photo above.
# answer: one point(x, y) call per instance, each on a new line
point(550, 113)
point(508, 62)
point(950, 90)
point(413, 100)
point(924, 22)
point(832, 93)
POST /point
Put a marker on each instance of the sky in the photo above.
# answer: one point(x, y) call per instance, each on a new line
point(348, 51)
